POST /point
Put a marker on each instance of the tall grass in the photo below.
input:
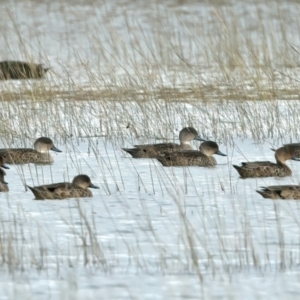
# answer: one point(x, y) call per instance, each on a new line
point(152, 51)
point(139, 72)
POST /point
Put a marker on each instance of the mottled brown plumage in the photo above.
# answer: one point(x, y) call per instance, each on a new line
point(2, 165)
point(62, 190)
point(203, 157)
point(3, 184)
point(267, 168)
point(186, 135)
point(280, 192)
point(21, 70)
point(40, 153)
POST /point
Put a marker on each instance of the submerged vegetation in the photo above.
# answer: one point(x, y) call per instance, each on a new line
point(133, 72)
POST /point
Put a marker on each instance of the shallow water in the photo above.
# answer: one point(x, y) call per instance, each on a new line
point(134, 229)
point(149, 232)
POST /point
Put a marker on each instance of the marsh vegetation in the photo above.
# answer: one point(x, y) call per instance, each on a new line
point(131, 72)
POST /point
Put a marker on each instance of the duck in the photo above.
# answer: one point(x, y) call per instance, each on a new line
point(78, 188)
point(186, 135)
point(3, 184)
point(280, 192)
point(201, 158)
point(267, 168)
point(40, 153)
point(10, 69)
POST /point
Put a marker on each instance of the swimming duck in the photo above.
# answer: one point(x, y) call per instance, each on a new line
point(186, 135)
point(280, 192)
point(267, 168)
point(62, 190)
point(40, 153)
point(203, 157)
point(10, 69)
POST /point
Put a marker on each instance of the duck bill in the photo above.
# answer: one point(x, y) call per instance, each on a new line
point(55, 149)
point(199, 138)
point(4, 182)
point(4, 166)
point(93, 186)
point(295, 158)
point(220, 153)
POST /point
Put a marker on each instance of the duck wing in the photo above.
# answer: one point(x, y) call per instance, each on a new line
point(159, 147)
point(282, 187)
point(257, 164)
point(52, 187)
point(280, 192)
point(51, 191)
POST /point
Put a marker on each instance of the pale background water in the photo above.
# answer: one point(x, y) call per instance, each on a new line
point(109, 38)
point(141, 234)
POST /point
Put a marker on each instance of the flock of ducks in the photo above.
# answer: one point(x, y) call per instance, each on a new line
point(40, 155)
point(10, 70)
point(168, 154)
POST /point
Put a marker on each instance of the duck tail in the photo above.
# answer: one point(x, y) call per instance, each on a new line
point(33, 190)
point(238, 168)
point(36, 193)
point(131, 151)
point(262, 193)
point(30, 187)
point(268, 194)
